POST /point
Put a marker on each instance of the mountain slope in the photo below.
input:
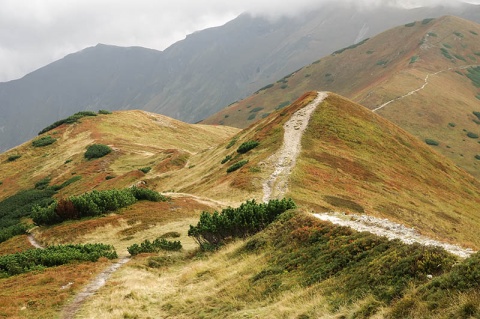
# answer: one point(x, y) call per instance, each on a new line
point(393, 64)
point(197, 76)
point(351, 160)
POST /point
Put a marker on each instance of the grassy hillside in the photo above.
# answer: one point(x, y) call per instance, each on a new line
point(388, 66)
point(352, 160)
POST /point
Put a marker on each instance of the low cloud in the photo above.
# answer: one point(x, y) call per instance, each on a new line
point(34, 33)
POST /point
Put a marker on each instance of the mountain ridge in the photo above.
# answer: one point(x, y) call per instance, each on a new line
point(351, 159)
point(178, 81)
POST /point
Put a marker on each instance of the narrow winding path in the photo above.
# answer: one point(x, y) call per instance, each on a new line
point(391, 230)
point(284, 160)
point(421, 87)
point(71, 309)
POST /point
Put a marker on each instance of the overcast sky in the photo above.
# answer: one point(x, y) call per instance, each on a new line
point(34, 33)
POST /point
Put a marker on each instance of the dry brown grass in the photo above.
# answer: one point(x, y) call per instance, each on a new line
point(43, 294)
point(353, 160)
point(14, 245)
point(356, 74)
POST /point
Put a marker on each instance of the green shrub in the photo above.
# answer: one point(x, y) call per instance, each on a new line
point(432, 142)
point(66, 183)
point(458, 34)
point(14, 208)
point(428, 20)
point(256, 109)
point(252, 116)
point(381, 62)
point(153, 247)
point(145, 170)
point(432, 34)
point(477, 157)
point(71, 119)
point(448, 46)
point(477, 114)
point(446, 53)
point(460, 57)
point(411, 24)
point(226, 159)
point(413, 59)
point(472, 135)
point(141, 193)
point(231, 143)
point(474, 75)
point(12, 158)
point(236, 166)
point(265, 87)
point(43, 183)
point(12, 231)
point(248, 219)
point(36, 259)
point(473, 32)
point(44, 141)
point(353, 46)
point(104, 112)
point(452, 124)
point(247, 146)
point(97, 151)
point(92, 204)
point(109, 177)
point(282, 105)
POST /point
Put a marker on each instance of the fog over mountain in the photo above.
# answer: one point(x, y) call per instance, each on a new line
point(37, 32)
point(199, 75)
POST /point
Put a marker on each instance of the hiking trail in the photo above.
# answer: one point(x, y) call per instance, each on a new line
point(284, 160)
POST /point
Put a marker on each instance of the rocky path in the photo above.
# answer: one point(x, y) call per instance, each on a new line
point(391, 230)
point(421, 87)
point(284, 160)
point(98, 282)
point(203, 200)
point(70, 311)
point(34, 242)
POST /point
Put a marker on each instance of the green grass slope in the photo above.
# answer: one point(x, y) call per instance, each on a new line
point(388, 66)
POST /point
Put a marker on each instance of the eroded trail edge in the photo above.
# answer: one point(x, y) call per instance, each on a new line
point(284, 159)
point(391, 230)
point(71, 310)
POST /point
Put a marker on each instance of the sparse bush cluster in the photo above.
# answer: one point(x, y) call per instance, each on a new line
point(236, 166)
point(353, 46)
point(43, 141)
point(474, 75)
point(472, 135)
point(226, 159)
point(71, 119)
point(145, 170)
point(231, 143)
point(247, 146)
point(18, 206)
point(432, 142)
point(37, 259)
point(248, 219)
point(92, 204)
point(155, 246)
point(97, 151)
point(14, 157)
point(104, 112)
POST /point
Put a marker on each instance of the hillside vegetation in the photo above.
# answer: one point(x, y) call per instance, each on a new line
point(388, 66)
point(270, 260)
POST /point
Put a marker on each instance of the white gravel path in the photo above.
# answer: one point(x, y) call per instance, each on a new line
point(284, 160)
point(391, 230)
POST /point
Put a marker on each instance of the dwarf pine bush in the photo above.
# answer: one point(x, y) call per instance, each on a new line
point(248, 219)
